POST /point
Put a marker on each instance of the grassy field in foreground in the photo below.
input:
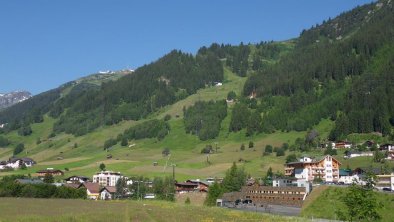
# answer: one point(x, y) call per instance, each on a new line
point(324, 202)
point(20, 209)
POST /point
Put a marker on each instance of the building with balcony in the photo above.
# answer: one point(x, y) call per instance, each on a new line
point(385, 181)
point(107, 178)
point(326, 168)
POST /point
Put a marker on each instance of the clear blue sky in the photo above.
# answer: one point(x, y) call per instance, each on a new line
point(45, 43)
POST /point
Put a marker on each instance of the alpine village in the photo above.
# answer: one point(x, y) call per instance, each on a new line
point(294, 130)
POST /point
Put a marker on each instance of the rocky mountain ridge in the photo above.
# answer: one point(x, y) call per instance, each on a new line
point(11, 98)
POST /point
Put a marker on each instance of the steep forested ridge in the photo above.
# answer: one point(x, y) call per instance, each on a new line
point(329, 74)
point(341, 69)
point(171, 78)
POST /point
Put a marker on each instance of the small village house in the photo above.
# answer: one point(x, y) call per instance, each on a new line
point(50, 171)
point(191, 186)
point(16, 163)
point(92, 190)
point(342, 145)
point(107, 193)
point(355, 153)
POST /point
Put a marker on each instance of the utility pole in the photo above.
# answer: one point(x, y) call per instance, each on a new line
point(173, 171)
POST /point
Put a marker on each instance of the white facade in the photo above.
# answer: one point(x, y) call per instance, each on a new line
point(328, 169)
point(106, 195)
point(357, 179)
point(107, 178)
point(385, 181)
point(352, 155)
point(290, 182)
point(16, 163)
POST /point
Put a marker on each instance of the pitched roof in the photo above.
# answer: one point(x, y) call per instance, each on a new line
point(24, 159)
point(92, 187)
point(50, 171)
point(110, 189)
point(80, 177)
point(186, 184)
point(315, 160)
point(73, 185)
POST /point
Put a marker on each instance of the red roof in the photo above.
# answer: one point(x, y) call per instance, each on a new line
point(92, 187)
point(109, 189)
point(187, 184)
point(73, 185)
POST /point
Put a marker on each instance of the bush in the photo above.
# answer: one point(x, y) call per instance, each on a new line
point(268, 149)
point(291, 158)
point(231, 95)
point(242, 147)
point(251, 144)
point(102, 166)
point(48, 178)
point(25, 131)
point(167, 117)
point(4, 141)
point(280, 152)
point(207, 149)
point(285, 146)
point(19, 148)
point(124, 142)
point(187, 201)
point(166, 151)
point(109, 143)
point(53, 134)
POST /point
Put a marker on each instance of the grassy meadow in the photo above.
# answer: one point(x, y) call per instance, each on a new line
point(324, 201)
point(84, 210)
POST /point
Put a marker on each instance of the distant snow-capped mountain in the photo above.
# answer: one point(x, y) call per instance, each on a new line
point(9, 99)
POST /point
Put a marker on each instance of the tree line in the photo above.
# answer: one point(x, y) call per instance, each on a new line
point(10, 188)
point(204, 118)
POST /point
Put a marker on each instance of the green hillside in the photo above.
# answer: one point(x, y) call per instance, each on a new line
point(333, 82)
point(324, 202)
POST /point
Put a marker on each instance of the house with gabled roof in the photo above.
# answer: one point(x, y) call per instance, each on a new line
point(92, 190)
point(107, 193)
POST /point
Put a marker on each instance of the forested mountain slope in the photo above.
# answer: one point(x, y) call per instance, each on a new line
point(341, 69)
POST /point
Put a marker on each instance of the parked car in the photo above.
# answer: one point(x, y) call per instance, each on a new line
point(247, 201)
point(386, 189)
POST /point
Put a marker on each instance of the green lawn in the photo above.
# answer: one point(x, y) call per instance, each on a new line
point(24, 209)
